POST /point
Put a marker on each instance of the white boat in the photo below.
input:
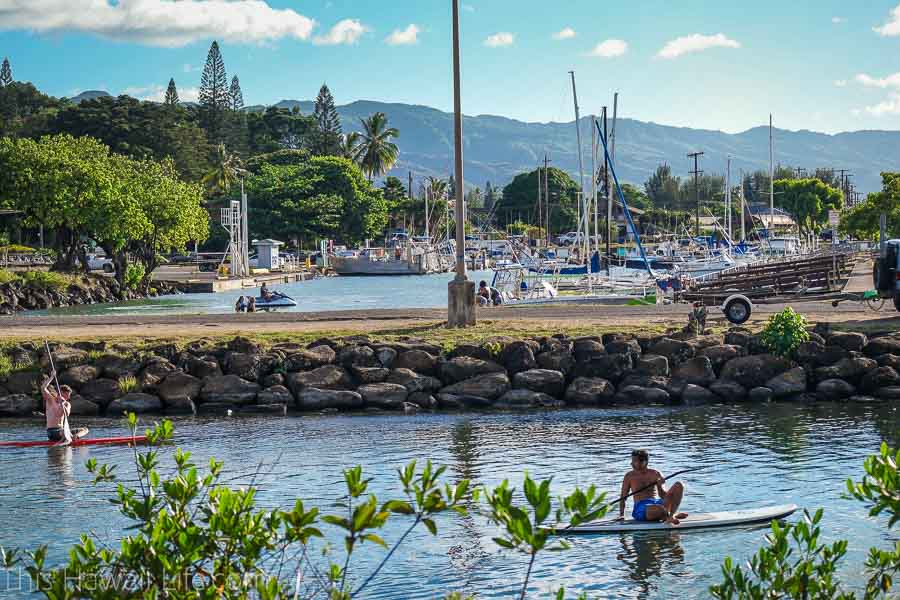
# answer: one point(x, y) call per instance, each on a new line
point(730, 518)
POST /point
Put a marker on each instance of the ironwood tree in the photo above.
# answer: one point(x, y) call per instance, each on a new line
point(235, 94)
point(171, 94)
point(214, 94)
point(327, 138)
point(5, 73)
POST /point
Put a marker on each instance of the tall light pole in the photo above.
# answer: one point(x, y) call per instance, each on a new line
point(460, 291)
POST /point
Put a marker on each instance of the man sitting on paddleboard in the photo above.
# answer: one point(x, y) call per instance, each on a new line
point(646, 483)
point(57, 410)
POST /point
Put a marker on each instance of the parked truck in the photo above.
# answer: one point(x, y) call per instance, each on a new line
point(886, 273)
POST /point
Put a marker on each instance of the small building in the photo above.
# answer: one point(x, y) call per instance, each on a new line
point(267, 254)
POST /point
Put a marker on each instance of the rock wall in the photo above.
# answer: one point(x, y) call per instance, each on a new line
point(16, 296)
point(356, 373)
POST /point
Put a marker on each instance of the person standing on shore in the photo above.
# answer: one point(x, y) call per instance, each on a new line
point(57, 409)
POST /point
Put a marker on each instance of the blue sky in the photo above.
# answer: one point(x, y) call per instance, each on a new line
point(825, 65)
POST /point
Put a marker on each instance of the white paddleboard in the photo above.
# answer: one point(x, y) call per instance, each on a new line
point(692, 521)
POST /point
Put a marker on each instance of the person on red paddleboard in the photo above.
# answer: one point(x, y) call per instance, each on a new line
point(57, 409)
point(647, 507)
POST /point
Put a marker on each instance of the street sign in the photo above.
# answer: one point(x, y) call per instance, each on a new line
point(834, 218)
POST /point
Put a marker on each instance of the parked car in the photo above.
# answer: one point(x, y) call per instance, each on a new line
point(99, 262)
point(573, 237)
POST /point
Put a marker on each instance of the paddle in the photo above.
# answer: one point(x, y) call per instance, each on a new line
point(67, 433)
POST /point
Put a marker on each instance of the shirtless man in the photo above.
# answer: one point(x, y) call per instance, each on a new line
point(647, 507)
point(57, 410)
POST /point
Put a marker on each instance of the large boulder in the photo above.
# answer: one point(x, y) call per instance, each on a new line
point(545, 381)
point(720, 354)
point(623, 346)
point(357, 356)
point(848, 340)
point(490, 386)
point(65, 358)
point(329, 377)
point(249, 366)
point(589, 390)
point(82, 407)
point(229, 389)
point(305, 360)
point(23, 382)
point(17, 405)
point(760, 394)
point(277, 394)
point(587, 348)
point(461, 368)
point(610, 366)
point(852, 369)
point(652, 364)
point(517, 357)
point(102, 391)
point(889, 360)
point(202, 367)
point(695, 395)
point(114, 366)
point(729, 391)
point(835, 389)
point(386, 356)
point(370, 374)
point(557, 359)
point(463, 402)
point(696, 371)
point(418, 361)
point(676, 351)
point(882, 345)
point(414, 382)
point(311, 398)
point(737, 337)
point(657, 381)
point(635, 394)
point(422, 400)
point(524, 398)
point(243, 345)
point(76, 377)
point(389, 396)
point(753, 371)
point(881, 377)
point(179, 390)
point(816, 354)
point(154, 372)
point(135, 402)
point(789, 383)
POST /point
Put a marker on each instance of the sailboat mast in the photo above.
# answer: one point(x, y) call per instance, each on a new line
point(728, 198)
point(771, 180)
point(581, 226)
point(743, 209)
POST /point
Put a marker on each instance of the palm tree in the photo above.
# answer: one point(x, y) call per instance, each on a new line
point(227, 169)
point(350, 145)
point(376, 153)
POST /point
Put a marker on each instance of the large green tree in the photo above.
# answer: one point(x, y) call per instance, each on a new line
point(807, 201)
point(376, 153)
point(279, 128)
point(326, 140)
point(214, 94)
point(863, 221)
point(519, 200)
point(663, 188)
point(25, 111)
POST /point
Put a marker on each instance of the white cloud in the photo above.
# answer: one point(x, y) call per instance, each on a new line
point(404, 37)
point(610, 48)
point(157, 93)
point(892, 27)
point(837, 20)
point(695, 43)
point(347, 31)
point(891, 81)
point(891, 106)
point(500, 39)
point(468, 8)
point(167, 23)
point(567, 33)
point(840, 83)
point(856, 112)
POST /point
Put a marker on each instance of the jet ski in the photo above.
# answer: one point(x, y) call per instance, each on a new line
point(276, 300)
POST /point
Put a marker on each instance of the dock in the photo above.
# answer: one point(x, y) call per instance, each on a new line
point(194, 281)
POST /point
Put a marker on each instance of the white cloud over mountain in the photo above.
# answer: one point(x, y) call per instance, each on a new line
point(167, 23)
point(892, 27)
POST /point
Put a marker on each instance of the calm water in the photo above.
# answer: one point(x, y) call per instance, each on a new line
point(328, 293)
point(757, 456)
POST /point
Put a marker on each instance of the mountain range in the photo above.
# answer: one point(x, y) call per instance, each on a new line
point(497, 148)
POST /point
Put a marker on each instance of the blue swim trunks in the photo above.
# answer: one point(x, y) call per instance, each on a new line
point(640, 509)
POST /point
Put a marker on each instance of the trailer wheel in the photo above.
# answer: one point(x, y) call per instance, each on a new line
point(737, 311)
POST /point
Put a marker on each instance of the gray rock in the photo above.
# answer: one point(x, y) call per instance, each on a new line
point(490, 386)
point(272, 379)
point(311, 398)
point(556, 360)
point(418, 361)
point(657, 381)
point(249, 366)
point(676, 351)
point(517, 357)
point(525, 398)
point(612, 367)
point(229, 389)
point(737, 337)
point(154, 372)
point(721, 354)
point(101, 391)
point(384, 395)
point(851, 369)
point(697, 371)
point(634, 394)
point(65, 358)
point(882, 345)
point(695, 395)
point(889, 360)
point(706, 341)
point(788, 383)
point(461, 368)
point(760, 394)
point(179, 388)
point(545, 381)
point(76, 377)
point(370, 374)
point(202, 367)
point(82, 407)
point(891, 392)
point(462, 402)
point(23, 382)
point(816, 354)
point(587, 348)
point(729, 391)
point(472, 350)
point(835, 389)
point(329, 377)
point(277, 394)
point(622, 346)
point(305, 360)
point(357, 356)
point(17, 405)
point(414, 382)
point(752, 371)
point(386, 356)
point(243, 345)
point(591, 391)
point(882, 377)
point(423, 400)
point(135, 402)
point(653, 364)
point(410, 408)
point(117, 367)
point(848, 340)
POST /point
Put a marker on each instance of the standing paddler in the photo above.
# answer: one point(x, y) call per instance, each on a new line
point(57, 409)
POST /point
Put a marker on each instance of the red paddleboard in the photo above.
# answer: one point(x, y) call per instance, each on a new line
point(139, 439)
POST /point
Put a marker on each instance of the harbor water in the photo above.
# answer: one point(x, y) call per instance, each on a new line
point(754, 456)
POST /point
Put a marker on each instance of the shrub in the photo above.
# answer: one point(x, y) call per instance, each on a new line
point(45, 280)
point(128, 384)
point(784, 332)
point(6, 276)
point(6, 365)
point(134, 274)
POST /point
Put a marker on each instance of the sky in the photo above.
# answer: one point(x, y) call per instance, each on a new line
point(822, 65)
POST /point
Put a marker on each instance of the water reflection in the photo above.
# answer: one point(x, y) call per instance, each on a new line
point(648, 556)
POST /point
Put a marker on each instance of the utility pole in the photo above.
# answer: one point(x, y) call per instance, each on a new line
point(800, 172)
point(728, 198)
point(696, 173)
point(547, 198)
point(771, 179)
point(409, 194)
point(608, 194)
point(743, 209)
point(461, 291)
